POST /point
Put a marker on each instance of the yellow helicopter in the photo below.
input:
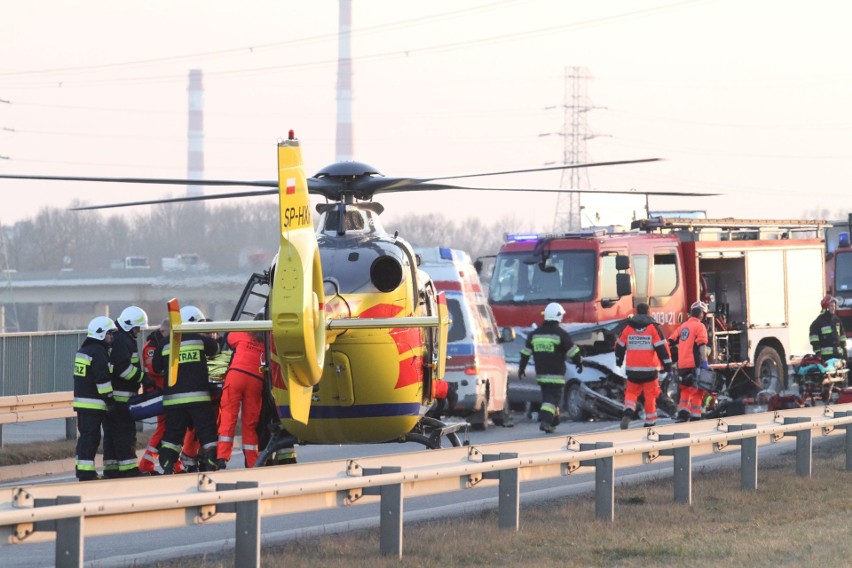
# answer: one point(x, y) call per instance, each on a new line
point(357, 333)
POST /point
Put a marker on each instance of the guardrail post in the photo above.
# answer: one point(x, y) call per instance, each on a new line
point(748, 456)
point(804, 446)
point(509, 501)
point(391, 516)
point(848, 428)
point(247, 545)
point(1, 435)
point(682, 471)
point(604, 485)
point(69, 536)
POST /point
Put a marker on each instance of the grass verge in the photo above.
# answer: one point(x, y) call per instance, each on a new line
point(788, 521)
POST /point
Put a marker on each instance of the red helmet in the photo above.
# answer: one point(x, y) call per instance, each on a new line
point(826, 301)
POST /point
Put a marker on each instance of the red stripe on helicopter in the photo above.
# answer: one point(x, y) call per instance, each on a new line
point(381, 311)
point(410, 372)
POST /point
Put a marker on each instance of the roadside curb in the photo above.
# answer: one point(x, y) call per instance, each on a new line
point(35, 469)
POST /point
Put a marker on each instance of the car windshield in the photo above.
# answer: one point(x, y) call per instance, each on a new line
point(457, 331)
point(564, 276)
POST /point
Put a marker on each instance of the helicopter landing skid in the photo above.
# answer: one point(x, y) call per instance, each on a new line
point(429, 432)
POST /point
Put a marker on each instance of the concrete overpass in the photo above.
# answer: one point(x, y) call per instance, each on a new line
point(63, 300)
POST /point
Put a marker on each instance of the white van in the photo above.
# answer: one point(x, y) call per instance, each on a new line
point(475, 361)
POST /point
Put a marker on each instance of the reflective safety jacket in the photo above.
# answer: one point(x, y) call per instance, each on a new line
point(126, 369)
point(192, 386)
point(92, 374)
point(643, 349)
point(691, 335)
point(828, 337)
point(549, 346)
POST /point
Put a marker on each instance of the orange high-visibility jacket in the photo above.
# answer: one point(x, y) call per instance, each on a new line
point(690, 336)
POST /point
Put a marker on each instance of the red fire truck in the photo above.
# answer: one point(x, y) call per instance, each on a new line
point(838, 270)
point(760, 278)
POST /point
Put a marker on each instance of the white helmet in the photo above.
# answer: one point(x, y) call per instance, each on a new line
point(131, 317)
point(191, 313)
point(100, 326)
point(554, 312)
point(699, 305)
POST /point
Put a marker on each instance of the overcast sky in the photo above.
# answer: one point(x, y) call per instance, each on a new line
point(746, 98)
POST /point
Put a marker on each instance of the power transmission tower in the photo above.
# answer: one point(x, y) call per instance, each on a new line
point(575, 132)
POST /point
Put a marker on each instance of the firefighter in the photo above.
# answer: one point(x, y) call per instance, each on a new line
point(828, 338)
point(550, 346)
point(93, 397)
point(154, 341)
point(127, 376)
point(188, 401)
point(243, 388)
point(643, 349)
point(691, 339)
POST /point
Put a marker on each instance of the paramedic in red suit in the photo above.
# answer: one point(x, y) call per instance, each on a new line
point(643, 349)
point(691, 338)
point(243, 387)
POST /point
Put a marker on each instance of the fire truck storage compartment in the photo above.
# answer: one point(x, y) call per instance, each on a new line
point(724, 279)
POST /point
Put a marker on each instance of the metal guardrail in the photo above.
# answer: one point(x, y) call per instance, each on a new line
point(57, 511)
point(35, 407)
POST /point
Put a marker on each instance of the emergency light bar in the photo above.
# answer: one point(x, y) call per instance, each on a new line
point(521, 237)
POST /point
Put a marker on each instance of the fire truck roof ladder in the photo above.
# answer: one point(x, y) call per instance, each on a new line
point(730, 224)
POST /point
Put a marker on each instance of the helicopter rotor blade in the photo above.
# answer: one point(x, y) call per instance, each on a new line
point(178, 199)
point(428, 186)
point(550, 168)
point(158, 181)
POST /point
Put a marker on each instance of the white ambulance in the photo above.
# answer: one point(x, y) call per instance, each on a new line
point(475, 361)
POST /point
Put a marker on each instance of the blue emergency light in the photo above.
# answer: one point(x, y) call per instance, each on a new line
point(843, 240)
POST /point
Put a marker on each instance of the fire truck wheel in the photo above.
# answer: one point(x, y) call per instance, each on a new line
point(769, 369)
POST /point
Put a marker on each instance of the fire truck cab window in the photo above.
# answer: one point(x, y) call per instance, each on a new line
point(664, 277)
point(570, 277)
point(843, 273)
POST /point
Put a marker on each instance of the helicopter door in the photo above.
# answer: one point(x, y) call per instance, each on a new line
point(340, 373)
point(431, 351)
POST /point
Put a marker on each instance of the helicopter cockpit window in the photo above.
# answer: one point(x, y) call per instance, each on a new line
point(457, 331)
point(367, 270)
point(564, 276)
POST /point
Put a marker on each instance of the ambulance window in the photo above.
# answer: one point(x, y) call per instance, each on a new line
point(640, 275)
point(664, 274)
point(457, 331)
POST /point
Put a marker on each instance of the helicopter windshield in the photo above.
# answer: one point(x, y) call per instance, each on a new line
point(569, 276)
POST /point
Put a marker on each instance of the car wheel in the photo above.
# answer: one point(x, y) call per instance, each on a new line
point(574, 403)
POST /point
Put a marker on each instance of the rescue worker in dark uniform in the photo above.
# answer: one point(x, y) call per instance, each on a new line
point(188, 402)
point(827, 336)
point(691, 339)
point(93, 397)
point(120, 443)
point(550, 346)
point(643, 348)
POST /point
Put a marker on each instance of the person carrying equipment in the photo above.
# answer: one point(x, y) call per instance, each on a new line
point(691, 338)
point(93, 397)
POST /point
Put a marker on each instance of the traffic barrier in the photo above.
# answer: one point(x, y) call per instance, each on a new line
point(57, 511)
point(35, 407)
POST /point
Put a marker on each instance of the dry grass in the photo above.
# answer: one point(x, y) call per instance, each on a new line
point(789, 521)
point(17, 454)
